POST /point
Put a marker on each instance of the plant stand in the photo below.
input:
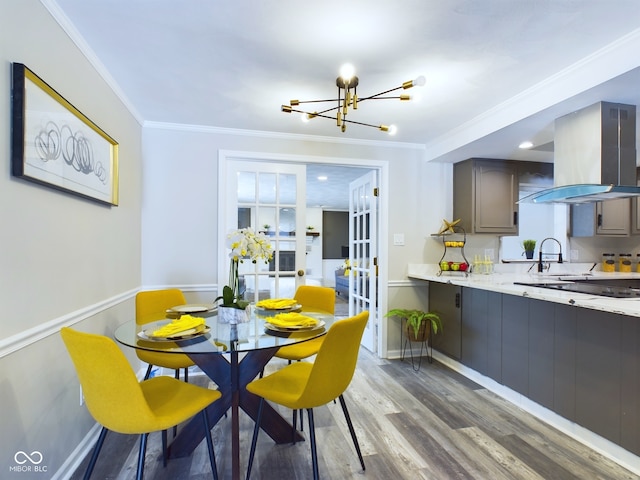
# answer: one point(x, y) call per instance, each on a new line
point(425, 344)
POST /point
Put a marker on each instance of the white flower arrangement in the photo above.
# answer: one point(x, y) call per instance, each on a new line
point(244, 244)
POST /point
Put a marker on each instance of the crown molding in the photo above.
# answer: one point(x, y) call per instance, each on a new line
point(280, 135)
point(75, 36)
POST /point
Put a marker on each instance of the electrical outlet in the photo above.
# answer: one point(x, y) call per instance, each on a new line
point(573, 255)
point(81, 397)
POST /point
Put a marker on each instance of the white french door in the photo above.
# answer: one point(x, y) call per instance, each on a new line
point(270, 198)
point(363, 253)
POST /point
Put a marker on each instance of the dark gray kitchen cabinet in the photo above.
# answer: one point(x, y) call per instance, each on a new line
point(564, 361)
point(582, 364)
point(481, 332)
point(515, 343)
point(598, 372)
point(541, 350)
point(445, 299)
point(630, 395)
point(485, 196)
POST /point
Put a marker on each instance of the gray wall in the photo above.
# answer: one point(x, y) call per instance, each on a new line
point(64, 260)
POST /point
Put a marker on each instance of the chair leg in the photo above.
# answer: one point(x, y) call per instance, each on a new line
point(254, 440)
point(351, 430)
point(314, 450)
point(164, 448)
point(293, 430)
point(146, 375)
point(96, 451)
point(186, 374)
point(212, 456)
point(141, 455)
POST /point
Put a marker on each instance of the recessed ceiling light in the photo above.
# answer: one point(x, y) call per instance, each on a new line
point(525, 145)
point(322, 178)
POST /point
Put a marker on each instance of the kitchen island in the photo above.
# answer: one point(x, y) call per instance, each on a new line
point(570, 358)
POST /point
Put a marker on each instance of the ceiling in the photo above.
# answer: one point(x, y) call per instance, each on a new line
point(498, 71)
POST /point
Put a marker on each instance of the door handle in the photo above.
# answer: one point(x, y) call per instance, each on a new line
point(301, 273)
point(457, 300)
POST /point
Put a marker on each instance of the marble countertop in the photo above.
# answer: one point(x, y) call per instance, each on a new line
point(504, 276)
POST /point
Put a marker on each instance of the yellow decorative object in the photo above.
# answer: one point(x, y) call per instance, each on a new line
point(347, 272)
point(448, 226)
point(182, 324)
point(292, 319)
point(277, 303)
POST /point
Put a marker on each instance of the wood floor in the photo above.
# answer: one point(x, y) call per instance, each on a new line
point(431, 424)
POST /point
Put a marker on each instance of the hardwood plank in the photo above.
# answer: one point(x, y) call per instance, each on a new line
point(430, 424)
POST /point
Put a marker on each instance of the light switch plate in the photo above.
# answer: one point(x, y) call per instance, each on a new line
point(398, 239)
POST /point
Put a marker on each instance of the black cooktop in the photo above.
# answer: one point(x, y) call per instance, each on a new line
point(589, 288)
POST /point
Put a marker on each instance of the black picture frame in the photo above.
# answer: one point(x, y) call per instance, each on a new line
point(54, 144)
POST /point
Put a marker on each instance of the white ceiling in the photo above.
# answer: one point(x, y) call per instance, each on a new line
point(498, 71)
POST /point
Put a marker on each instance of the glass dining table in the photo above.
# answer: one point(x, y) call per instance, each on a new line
point(231, 355)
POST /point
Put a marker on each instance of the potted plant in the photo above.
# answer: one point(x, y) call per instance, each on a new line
point(529, 246)
point(244, 244)
point(417, 327)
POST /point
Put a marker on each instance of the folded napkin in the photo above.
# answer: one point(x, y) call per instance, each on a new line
point(276, 303)
point(292, 319)
point(182, 324)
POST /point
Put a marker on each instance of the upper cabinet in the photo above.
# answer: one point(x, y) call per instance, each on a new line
point(610, 218)
point(485, 196)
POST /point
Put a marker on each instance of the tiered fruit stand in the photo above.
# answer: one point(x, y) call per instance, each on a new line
point(453, 260)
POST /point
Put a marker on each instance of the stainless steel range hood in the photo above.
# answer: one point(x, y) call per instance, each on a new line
point(595, 156)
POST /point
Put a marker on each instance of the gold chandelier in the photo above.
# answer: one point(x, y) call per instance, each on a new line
point(347, 84)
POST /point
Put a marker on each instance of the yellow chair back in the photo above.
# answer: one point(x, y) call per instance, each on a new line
point(335, 363)
point(316, 299)
point(110, 388)
point(152, 305)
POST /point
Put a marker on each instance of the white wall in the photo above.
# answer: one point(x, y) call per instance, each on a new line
point(63, 259)
point(180, 178)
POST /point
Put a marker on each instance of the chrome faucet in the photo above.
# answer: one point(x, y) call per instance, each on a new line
point(540, 253)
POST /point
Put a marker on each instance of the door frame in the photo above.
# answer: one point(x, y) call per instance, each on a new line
point(225, 156)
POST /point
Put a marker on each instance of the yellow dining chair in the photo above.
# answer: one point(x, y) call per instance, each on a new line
point(304, 385)
point(312, 299)
point(151, 306)
point(120, 403)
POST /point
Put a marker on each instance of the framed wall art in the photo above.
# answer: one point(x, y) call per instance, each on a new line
point(54, 144)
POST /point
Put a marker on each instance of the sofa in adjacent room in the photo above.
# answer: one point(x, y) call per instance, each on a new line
point(342, 283)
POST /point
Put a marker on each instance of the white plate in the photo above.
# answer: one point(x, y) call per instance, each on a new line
point(192, 308)
point(294, 328)
point(186, 335)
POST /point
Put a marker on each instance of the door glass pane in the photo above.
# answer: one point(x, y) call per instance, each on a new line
point(244, 217)
point(267, 220)
point(246, 187)
point(287, 225)
point(288, 189)
point(267, 188)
